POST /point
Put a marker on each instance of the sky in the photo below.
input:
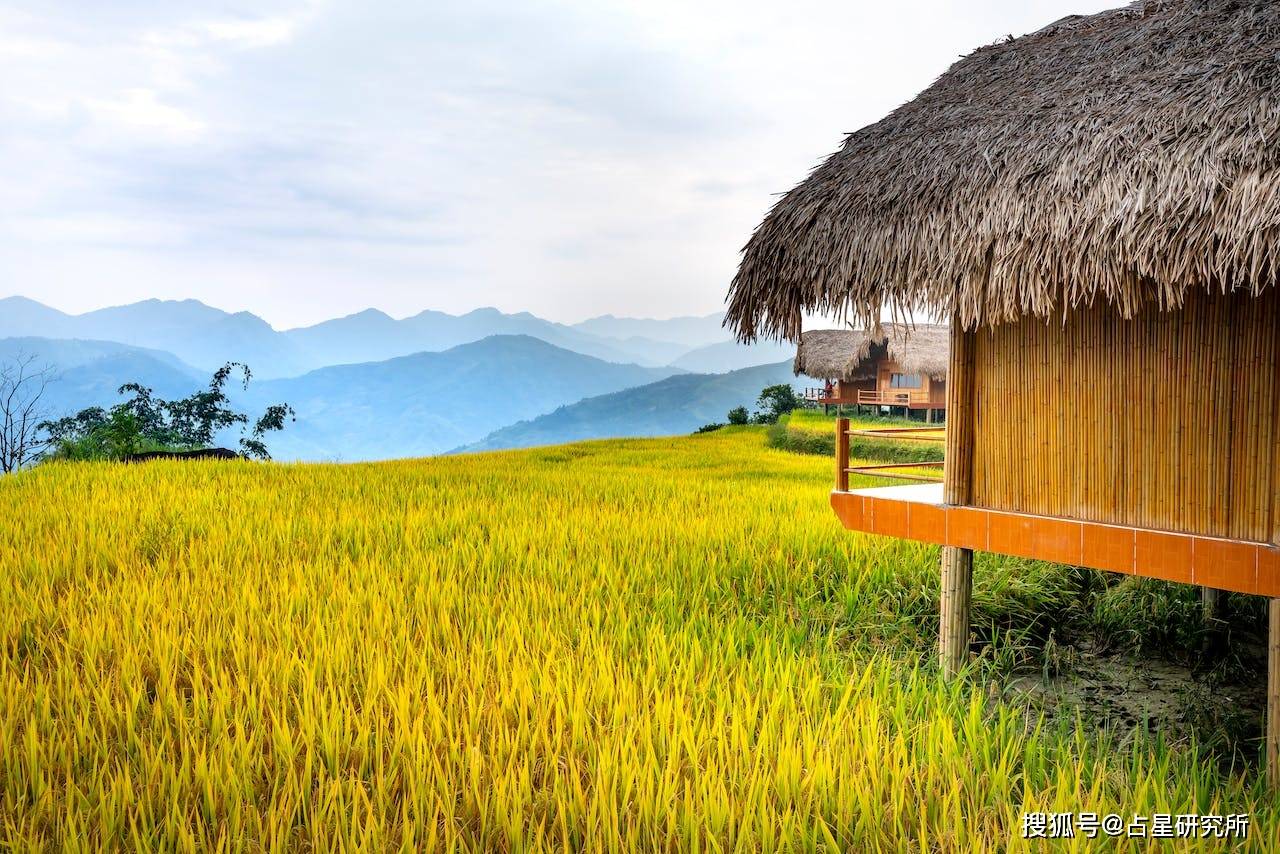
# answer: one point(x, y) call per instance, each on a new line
point(305, 159)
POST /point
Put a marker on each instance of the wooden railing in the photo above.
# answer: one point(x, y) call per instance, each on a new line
point(842, 455)
point(897, 471)
point(936, 434)
point(892, 397)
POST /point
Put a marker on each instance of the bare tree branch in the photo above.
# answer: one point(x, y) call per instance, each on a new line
point(23, 383)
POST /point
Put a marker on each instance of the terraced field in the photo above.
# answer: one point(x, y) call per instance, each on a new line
point(619, 645)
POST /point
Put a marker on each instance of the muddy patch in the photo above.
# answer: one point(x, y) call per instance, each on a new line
point(1217, 700)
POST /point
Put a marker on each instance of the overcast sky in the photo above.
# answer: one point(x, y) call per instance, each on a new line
point(304, 160)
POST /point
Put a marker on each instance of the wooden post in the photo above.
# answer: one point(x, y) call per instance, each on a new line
point(1273, 694)
point(842, 455)
point(957, 563)
point(1210, 603)
point(1273, 617)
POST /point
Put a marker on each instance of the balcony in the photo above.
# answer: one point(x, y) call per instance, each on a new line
point(919, 512)
point(897, 397)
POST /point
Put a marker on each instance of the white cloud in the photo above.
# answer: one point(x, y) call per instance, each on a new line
point(251, 33)
point(142, 110)
point(305, 159)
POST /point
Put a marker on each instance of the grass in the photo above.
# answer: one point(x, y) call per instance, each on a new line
point(622, 645)
point(808, 431)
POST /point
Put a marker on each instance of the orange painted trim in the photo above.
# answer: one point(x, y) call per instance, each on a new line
point(1240, 566)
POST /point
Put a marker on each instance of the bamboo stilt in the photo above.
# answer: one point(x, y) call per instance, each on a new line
point(842, 455)
point(953, 625)
point(1273, 695)
point(957, 564)
point(1210, 604)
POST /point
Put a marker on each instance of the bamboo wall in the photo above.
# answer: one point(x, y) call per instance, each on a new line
point(1166, 421)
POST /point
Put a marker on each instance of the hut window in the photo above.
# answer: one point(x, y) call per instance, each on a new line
point(905, 381)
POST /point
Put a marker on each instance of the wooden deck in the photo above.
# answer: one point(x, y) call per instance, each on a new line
point(822, 397)
point(918, 513)
point(898, 397)
point(904, 398)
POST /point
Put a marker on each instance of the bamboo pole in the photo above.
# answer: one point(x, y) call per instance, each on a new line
point(1273, 627)
point(1273, 695)
point(957, 564)
point(1210, 604)
point(842, 455)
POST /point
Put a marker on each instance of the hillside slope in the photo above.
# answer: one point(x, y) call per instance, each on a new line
point(90, 373)
point(413, 405)
point(66, 353)
point(429, 402)
point(677, 404)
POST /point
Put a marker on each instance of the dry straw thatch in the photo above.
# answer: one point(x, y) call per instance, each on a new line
point(1129, 156)
point(851, 355)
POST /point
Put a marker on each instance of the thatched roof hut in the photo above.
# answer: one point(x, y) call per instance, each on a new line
point(1127, 158)
point(848, 354)
point(1118, 174)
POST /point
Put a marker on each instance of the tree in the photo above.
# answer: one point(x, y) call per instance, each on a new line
point(22, 388)
point(147, 423)
point(776, 401)
point(272, 419)
point(739, 415)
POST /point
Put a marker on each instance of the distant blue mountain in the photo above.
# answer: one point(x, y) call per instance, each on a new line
point(677, 404)
point(429, 402)
point(409, 406)
point(370, 386)
point(69, 353)
point(372, 335)
point(201, 336)
point(688, 332)
point(97, 383)
point(732, 356)
point(207, 337)
point(89, 373)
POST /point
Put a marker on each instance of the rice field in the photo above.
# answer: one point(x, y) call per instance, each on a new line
point(617, 646)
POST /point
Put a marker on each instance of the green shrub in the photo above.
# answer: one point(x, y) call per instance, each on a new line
point(144, 422)
point(783, 437)
point(775, 401)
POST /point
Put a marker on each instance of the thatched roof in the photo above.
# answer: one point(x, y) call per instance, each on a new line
point(1125, 157)
point(848, 354)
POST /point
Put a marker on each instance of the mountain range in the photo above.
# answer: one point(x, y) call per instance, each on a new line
point(369, 386)
point(427, 403)
point(677, 404)
point(205, 337)
point(414, 405)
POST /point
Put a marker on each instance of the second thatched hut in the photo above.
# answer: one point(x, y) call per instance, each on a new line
point(899, 368)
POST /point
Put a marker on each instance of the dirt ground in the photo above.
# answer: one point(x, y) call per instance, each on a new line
point(1218, 699)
